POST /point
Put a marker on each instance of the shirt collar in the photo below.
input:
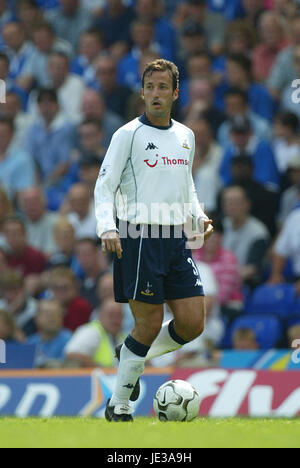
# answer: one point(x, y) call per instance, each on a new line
point(144, 119)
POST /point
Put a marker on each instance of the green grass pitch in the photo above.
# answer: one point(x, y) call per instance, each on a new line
point(148, 432)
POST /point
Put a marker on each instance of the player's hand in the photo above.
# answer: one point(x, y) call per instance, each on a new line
point(208, 229)
point(111, 242)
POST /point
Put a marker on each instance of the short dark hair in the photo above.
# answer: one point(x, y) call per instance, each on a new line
point(234, 91)
point(48, 94)
point(242, 60)
point(161, 65)
point(8, 122)
point(288, 119)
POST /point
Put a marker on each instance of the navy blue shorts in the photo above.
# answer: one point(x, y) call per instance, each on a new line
point(154, 270)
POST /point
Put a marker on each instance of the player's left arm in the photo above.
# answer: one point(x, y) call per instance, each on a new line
point(203, 223)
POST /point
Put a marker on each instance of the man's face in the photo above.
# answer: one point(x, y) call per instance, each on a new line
point(146, 8)
point(158, 94)
point(142, 35)
point(235, 73)
point(234, 105)
point(92, 106)
point(80, 201)
point(15, 235)
point(111, 318)
point(43, 40)
point(235, 203)
point(63, 289)
point(58, 69)
point(13, 36)
point(90, 137)
point(240, 139)
point(32, 204)
point(86, 255)
point(50, 318)
point(106, 73)
point(48, 109)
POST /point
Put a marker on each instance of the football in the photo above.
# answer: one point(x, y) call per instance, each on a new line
point(176, 400)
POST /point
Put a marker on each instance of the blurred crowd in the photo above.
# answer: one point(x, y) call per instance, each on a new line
point(72, 72)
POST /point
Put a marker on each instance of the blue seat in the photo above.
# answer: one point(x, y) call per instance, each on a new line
point(272, 299)
point(267, 329)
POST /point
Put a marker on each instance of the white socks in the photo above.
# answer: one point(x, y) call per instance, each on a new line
point(166, 341)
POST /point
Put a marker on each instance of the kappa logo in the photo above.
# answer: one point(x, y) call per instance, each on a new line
point(151, 146)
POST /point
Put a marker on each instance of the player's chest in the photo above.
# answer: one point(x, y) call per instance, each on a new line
point(155, 153)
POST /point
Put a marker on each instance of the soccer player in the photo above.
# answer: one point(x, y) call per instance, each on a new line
point(146, 177)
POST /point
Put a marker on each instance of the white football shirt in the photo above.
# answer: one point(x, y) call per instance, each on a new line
point(146, 177)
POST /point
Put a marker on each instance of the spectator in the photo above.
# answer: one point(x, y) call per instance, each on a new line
point(65, 289)
point(287, 247)
point(39, 222)
point(50, 140)
point(283, 72)
point(114, 23)
point(12, 110)
point(91, 45)
point(21, 255)
point(69, 87)
point(8, 331)
point(81, 214)
point(17, 302)
point(93, 345)
point(290, 94)
point(89, 167)
point(236, 103)
point(18, 49)
point(6, 209)
point(286, 141)
point(293, 334)
point(11, 85)
point(115, 96)
point(226, 270)
point(244, 235)
point(91, 136)
point(50, 339)
point(36, 71)
point(105, 288)
point(243, 141)
point(244, 339)
point(69, 21)
point(208, 155)
point(272, 31)
point(264, 202)
point(94, 265)
point(93, 107)
point(64, 235)
point(253, 10)
point(29, 15)
point(16, 167)
point(202, 105)
point(289, 198)
point(192, 41)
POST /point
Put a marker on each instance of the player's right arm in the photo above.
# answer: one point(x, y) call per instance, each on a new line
point(107, 185)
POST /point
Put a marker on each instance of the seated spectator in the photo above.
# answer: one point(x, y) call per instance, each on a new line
point(206, 167)
point(244, 235)
point(244, 339)
point(239, 68)
point(201, 104)
point(16, 166)
point(69, 21)
point(12, 110)
point(272, 30)
point(17, 302)
point(290, 197)
point(164, 32)
point(236, 103)
point(226, 270)
point(65, 289)
point(11, 85)
point(35, 71)
point(91, 136)
point(143, 39)
point(51, 338)
point(81, 211)
point(50, 140)
point(286, 142)
point(114, 23)
point(192, 41)
point(283, 72)
point(18, 49)
point(38, 221)
point(6, 16)
point(91, 45)
point(94, 265)
point(243, 141)
point(264, 202)
point(69, 88)
point(89, 167)
point(21, 255)
point(290, 95)
point(29, 15)
point(115, 96)
point(8, 330)
point(93, 108)
point(6, 209)
point(287, 247)
point(93, 345)
point(64, 236)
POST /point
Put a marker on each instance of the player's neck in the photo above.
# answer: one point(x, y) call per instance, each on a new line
point(159, 121)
